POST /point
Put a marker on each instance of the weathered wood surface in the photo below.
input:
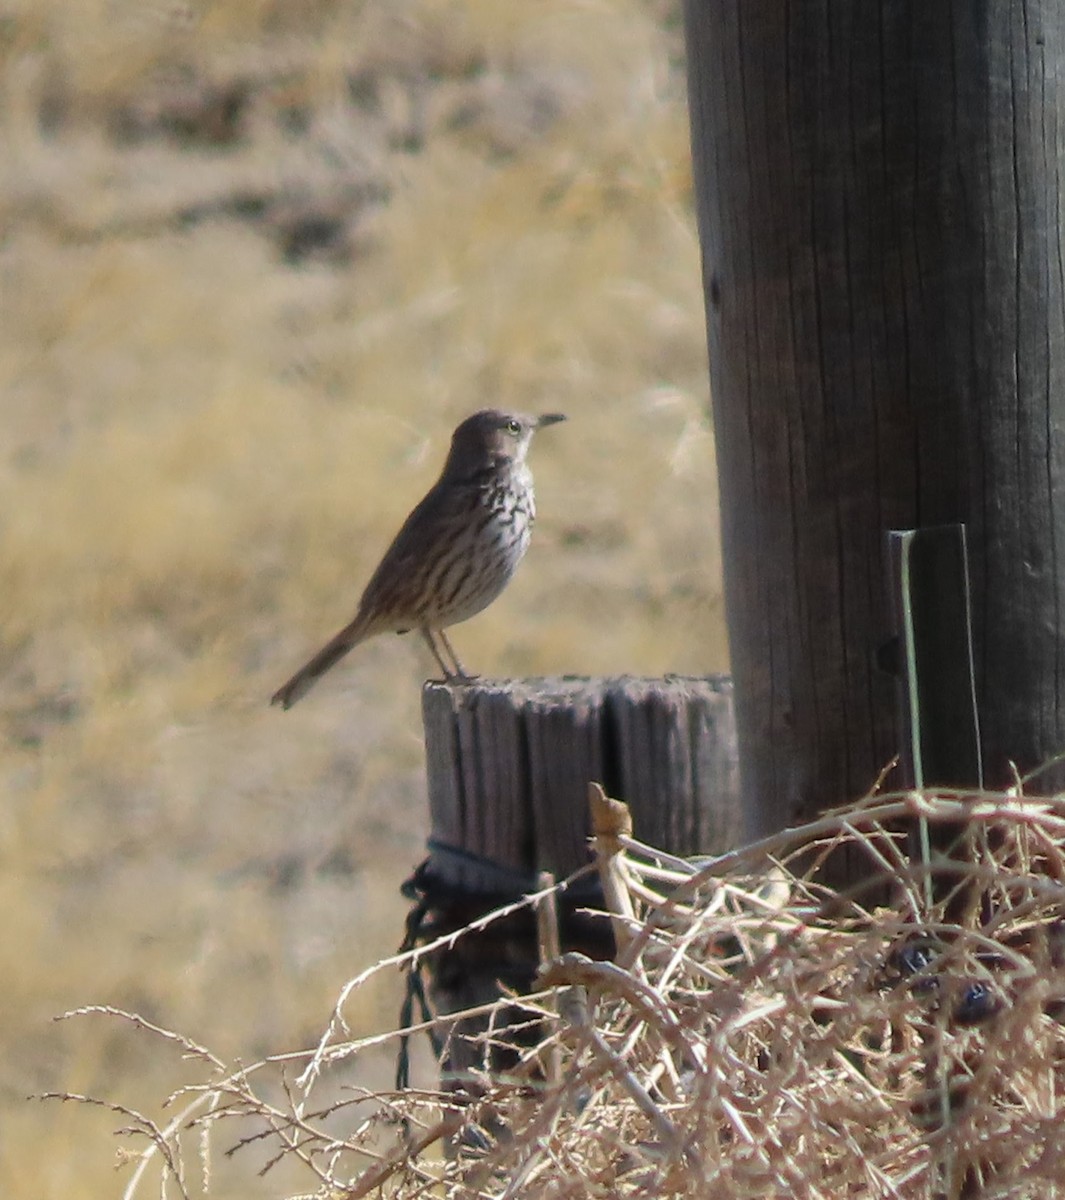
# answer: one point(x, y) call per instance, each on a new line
point(509, 764)
point(879, 188)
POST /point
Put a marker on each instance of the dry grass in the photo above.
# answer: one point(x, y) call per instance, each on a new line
point(756, 1037)
point(257, 259)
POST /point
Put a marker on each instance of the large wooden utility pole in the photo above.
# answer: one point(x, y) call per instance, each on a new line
point(879, 189)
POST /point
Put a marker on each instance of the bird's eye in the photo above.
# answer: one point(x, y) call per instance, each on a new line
point(514, 427)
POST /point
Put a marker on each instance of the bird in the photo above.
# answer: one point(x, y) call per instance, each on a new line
point(454, 554)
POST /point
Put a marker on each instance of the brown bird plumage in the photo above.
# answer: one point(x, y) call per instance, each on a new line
point(456, 551)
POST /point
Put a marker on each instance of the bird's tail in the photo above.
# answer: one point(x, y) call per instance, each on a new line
point(329, 655)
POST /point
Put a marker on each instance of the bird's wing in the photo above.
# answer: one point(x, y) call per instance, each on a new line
point(396, 587)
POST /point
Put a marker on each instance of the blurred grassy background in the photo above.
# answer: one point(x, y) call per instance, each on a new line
point(258, 258)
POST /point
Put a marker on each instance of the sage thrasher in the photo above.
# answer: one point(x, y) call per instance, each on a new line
point(456, 551)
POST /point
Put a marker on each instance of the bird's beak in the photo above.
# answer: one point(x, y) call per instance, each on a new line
point(549, 419)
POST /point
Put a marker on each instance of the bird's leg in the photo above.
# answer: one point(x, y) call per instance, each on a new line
point(430, 641)
point(460, 671)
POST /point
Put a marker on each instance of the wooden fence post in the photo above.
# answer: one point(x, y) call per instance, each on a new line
point(879, 188)
point(509, 763)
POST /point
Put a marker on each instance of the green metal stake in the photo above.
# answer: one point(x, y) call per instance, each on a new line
point(939, 722)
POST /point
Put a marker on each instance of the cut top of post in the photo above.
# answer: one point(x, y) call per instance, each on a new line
point(509, 763)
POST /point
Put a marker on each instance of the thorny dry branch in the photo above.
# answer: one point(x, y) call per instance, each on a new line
point(757, 1037)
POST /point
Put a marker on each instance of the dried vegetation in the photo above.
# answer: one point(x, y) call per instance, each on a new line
point(757, 1036)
